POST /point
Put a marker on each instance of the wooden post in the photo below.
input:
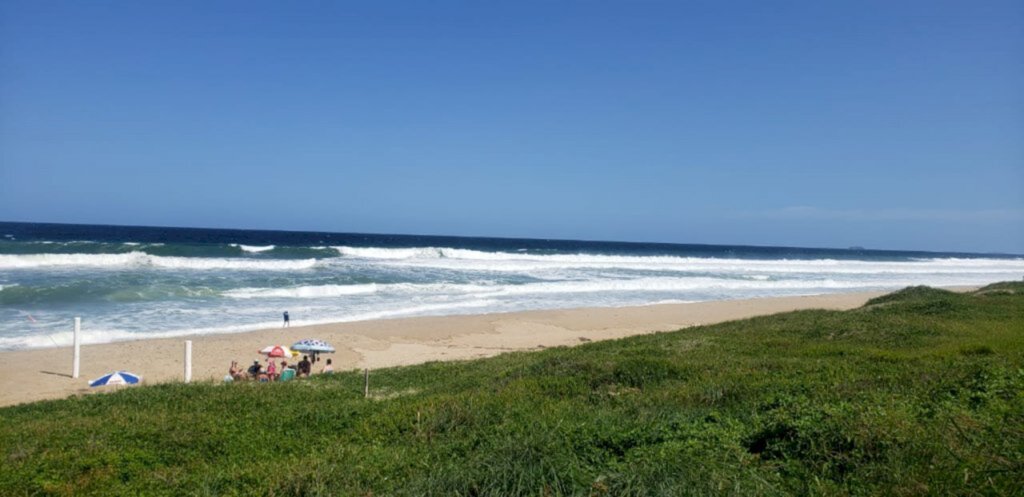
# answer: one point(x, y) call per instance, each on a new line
point(76, 358)
point(188, 361)
point(366, 383)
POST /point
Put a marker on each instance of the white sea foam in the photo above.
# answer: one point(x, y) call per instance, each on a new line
point(106, 335)
point(237, 264)
point(668, 301)
point(418, 310)
point(611, 286)
point(32, 261)
point(390, 253)
point(302, 292)
point(670, 285)
point(461, 259)
point(451, 258)
point(253, 248)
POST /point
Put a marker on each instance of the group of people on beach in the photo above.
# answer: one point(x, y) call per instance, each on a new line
point(270, 372)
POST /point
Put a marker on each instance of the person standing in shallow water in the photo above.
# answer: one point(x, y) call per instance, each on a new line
point(287, 324)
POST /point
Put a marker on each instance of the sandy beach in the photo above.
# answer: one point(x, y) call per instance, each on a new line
point(39, 374)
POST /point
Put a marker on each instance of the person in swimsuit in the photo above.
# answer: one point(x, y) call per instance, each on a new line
point(236, 372)
point(271, 369)
point(287, 323)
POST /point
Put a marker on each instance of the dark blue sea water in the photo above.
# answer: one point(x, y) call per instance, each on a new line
point(137, 282)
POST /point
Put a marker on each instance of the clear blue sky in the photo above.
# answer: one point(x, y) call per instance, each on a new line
point(888, 124)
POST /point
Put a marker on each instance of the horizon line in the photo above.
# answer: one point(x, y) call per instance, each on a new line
point(625, 242)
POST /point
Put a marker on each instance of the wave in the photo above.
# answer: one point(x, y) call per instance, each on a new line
point(329, 291)
point(142, 259)
point(162, 249)
point(649, 285)
point(92, 335)
point(287, 252)
point(460, 259)
point(426, 309)
point(275, 258)
point(391, 253)
point(253, 248)
point(468, 254)
point(31, 261)
point(304, 292)
point(90, 291)
point(464, 259)
point(666, 285)
point(191, 250)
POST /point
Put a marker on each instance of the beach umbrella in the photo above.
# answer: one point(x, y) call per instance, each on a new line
point(278, 351)
point(313, 347)
point(116, 378)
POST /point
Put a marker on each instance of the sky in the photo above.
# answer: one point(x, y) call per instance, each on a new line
point(890, 125)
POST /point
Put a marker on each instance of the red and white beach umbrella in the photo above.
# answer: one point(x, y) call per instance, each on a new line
point(278, 351)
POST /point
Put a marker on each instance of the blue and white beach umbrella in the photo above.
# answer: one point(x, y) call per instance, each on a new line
point(116, 378)
point(312, 345)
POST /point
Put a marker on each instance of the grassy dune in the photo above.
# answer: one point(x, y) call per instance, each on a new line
point(918, 392)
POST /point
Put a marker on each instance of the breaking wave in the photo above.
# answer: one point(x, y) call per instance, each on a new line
point(253, 249)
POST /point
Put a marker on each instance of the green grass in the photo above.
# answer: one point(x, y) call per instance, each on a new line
point(920, 392)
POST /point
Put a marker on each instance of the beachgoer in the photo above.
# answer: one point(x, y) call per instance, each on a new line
point(287, 323)
point(254, 370)
point(328, 368)
point(271, 369)
point(235, 372)
point(305, 366)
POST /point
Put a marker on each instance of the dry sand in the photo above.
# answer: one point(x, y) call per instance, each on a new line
point(31, 375)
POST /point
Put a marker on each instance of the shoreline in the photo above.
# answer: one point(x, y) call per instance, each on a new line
point(40, 374)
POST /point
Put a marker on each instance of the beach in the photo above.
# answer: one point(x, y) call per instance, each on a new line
point(38, 374)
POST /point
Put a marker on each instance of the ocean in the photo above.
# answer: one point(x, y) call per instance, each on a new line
point(141, 282)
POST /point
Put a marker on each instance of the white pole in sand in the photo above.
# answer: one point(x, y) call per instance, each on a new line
point(188, 361)
point(76, 358)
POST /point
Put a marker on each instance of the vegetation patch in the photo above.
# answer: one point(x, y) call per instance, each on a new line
point(914, 294)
